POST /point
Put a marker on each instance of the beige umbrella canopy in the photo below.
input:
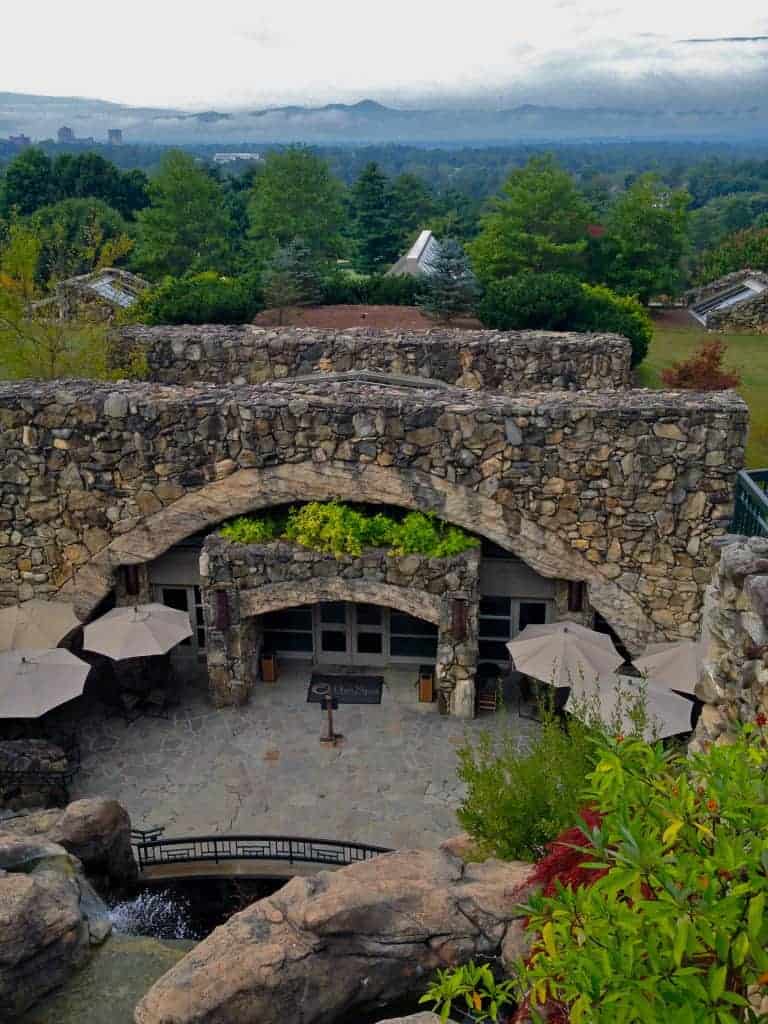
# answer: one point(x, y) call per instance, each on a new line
point(563, 653)
point(614, 697)
point(34, 681)
point(36, 624)
point(139, 631)
point(676, 666)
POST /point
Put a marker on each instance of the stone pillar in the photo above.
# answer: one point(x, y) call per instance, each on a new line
point(233, 640)
point(457, 651)
point(143, 588)
point(734, 681)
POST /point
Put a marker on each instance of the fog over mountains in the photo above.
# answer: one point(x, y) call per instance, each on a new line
point(367, 121)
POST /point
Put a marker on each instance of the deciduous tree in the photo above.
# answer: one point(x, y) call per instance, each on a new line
point(295, 195)
point(186, 227)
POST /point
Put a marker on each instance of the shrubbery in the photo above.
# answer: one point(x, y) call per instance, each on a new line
point(703, 371)
point(342, 288)
point(206, 298)
point(671, 924)
point(530, 301)
point(339, 529)
point(559, 302)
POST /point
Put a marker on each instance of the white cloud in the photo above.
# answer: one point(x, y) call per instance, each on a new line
point(234, 52)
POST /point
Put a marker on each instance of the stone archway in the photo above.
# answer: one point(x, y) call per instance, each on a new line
point(242, 582)
point(248, 490)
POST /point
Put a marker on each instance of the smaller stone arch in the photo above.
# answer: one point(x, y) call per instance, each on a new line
point(242, 582)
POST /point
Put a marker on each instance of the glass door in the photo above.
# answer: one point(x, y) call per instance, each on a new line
point(333, 631)
point(189, 600)
point(369, 637)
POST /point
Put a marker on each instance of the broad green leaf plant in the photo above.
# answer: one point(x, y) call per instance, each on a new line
point(675, 931)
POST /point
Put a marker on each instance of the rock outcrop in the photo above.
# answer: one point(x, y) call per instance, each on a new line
point(354, 939)
point(49, 918)
point(96, 831)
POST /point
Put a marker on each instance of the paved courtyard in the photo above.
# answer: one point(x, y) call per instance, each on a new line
point(262, 768)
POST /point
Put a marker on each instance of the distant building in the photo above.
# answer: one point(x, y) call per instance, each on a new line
point(66, 134)
point(738, 301)
point(230, 158)
point(420, 257)
point(20, 140)
point(115, 136)
point(98, 296)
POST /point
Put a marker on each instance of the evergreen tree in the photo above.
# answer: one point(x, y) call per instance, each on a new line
point(412, 207)
point(375, 230)
point(291, 279)
point(540, 224)
point(186, 226)
point(452, 289)
point(646, 239)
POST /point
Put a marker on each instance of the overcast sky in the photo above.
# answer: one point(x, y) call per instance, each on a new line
point(233, 53)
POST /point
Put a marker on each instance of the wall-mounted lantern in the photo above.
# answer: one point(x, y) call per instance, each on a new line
point(222, 610)
point(576, 590)
point(459, 619)
point(131, 575)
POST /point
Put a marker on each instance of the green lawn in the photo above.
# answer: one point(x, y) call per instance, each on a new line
point(747, 353)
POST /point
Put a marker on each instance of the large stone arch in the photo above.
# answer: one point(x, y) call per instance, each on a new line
point(248, 490)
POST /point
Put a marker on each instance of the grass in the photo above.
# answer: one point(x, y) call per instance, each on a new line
point(747, 354)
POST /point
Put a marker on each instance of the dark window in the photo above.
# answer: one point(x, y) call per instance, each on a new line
point(495, 627)
point(413, 646)
point(399, 622)
point(368, 614)
point(532, 613)
point(492, 650)
point(277, 641)
point(333, 640)
point(333, 611)
point(369, 643)
point(289, 618)
point(495, 605)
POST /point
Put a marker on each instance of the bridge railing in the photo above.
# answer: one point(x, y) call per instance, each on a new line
point(151, 848)
point(750, 513)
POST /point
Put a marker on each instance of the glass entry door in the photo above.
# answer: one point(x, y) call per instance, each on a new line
point(350, 634)
point(333, 633)
point(189, 600)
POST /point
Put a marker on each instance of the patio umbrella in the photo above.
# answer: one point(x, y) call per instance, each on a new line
point(34, 681)
point(674, 665)
point(139, 631)
point(667, 713)
point(36, 624)
point(563, 653)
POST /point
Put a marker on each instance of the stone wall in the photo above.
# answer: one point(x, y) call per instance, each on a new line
point(626, 494)
point(734, 684)
point(491, 360)
point(259, 578)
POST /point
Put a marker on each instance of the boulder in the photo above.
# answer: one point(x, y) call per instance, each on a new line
point(358, 938)
point(96, 831)
point(49, 917)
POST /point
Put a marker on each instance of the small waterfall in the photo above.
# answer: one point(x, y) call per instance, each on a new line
point(159, 914)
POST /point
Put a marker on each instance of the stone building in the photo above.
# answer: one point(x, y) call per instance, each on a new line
point(736, 302)
point(98, 296)
point(591, 501)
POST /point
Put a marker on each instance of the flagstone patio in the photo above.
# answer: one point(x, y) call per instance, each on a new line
point(262, 768)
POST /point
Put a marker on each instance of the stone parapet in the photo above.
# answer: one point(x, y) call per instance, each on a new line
point(253, 579)
point(508, 361)
point(625, 492)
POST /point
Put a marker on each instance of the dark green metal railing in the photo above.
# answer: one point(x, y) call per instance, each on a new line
point(750, 513)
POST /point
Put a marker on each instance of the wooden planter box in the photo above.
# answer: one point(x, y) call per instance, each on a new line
point(269, 669)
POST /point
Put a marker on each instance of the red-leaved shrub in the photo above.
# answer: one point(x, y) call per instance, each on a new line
point(703, 371)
